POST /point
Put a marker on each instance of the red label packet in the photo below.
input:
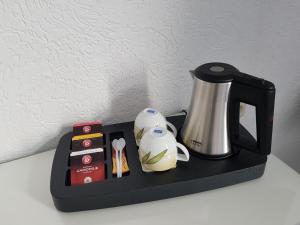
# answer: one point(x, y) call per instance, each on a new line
point(87, 128)
point(87, 166)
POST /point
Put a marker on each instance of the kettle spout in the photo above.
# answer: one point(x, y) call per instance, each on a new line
point(192, 72)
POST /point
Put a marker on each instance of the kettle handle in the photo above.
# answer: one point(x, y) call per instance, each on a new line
point(261, 94)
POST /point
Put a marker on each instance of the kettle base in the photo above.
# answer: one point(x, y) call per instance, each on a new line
point(210, 157)
point(235, 149)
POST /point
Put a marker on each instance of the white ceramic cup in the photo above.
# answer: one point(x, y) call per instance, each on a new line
point(158, 150)
point(147, 119)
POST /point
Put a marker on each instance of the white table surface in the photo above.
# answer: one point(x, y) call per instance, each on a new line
point(273, 199)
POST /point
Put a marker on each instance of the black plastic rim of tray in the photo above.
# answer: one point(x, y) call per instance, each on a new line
point(196, 176)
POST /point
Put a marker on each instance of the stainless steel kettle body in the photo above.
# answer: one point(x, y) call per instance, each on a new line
point(206, 129)
point(212, 124)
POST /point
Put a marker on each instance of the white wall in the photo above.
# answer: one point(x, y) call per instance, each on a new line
point(66, 61)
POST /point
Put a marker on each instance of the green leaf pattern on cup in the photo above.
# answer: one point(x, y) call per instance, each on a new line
point(139, 134)
point(155, 158)
point(146, 157)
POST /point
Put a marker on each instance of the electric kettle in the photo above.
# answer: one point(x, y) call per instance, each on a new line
point(212, 127)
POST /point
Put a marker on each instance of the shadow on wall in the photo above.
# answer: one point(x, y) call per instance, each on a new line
point(290, 124)
point(293, 120)
point(53, 142)
point(50, 144)
point(129, 96)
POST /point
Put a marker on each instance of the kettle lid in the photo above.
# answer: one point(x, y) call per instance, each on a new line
point(216, 72)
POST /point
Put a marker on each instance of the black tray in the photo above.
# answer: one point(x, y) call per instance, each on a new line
point(196, 176)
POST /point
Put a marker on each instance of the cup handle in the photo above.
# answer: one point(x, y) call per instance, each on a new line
point(183, 157)
point(173, 128)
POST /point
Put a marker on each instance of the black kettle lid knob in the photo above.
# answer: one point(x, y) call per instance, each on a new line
point(215, 72)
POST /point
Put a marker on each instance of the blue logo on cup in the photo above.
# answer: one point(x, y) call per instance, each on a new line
point(158, 131)
point(152, 111)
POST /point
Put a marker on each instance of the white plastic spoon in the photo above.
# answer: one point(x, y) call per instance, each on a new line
point(121, 144)
point(116, 147)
